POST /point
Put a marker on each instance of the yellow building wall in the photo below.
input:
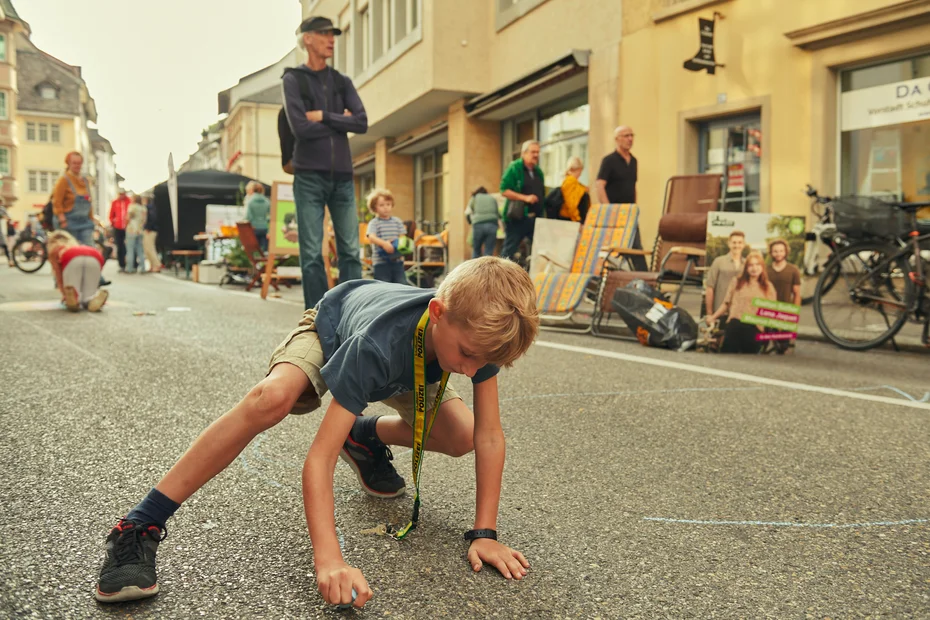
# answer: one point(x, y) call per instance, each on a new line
point(795, 90)
point(39, 156)
point(253, 129)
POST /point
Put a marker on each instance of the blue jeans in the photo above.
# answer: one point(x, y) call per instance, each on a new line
point(262, 235)
point(516, 231)
point(134, 252)
point(312, 192)
point(392, 271)
point(483, 239)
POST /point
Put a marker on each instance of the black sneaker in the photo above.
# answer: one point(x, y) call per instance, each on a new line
point(128, 572)
point(371, 460)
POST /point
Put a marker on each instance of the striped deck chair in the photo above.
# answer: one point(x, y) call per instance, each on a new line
point(570, 297)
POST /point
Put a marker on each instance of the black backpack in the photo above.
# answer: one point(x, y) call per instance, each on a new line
point(554, 201)
point(285, 135)
point(48, 216)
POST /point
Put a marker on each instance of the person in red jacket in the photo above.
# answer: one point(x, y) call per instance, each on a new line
point(118, 218)
point(77, 272)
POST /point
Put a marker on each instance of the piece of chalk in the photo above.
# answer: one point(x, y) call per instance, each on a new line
point(342, 606)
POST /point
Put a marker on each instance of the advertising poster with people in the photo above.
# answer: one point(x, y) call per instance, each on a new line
point(282, 238)
point(752, 287)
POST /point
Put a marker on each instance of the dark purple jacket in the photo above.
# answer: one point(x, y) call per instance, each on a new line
point(323, 147)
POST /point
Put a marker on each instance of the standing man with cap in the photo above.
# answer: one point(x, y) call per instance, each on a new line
point(322, 108)
point(616, 182)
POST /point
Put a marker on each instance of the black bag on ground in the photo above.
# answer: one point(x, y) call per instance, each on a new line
point(654, 321)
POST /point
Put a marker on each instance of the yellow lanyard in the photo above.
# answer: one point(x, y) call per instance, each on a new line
point(421, 428)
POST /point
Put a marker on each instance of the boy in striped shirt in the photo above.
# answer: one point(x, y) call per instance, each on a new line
point(383, 231)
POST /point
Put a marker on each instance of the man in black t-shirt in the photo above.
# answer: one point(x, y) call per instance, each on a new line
point(616, 182)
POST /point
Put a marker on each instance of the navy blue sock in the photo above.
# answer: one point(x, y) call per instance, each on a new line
point(155, 508)
point(364, 429)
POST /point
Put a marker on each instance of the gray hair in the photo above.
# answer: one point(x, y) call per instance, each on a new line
point(526, 146)
point(300, 41)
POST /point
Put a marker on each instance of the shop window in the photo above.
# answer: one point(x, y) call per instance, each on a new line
point(562, 132)
point(885, 130)
point(732, 147)
point(431, 168)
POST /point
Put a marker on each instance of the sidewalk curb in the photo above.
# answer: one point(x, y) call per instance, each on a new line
point(905, 343)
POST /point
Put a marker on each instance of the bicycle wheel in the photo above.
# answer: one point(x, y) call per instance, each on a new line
point(29, 255)
point(870, 297)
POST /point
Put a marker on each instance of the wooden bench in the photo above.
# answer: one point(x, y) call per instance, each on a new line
point(187, 255)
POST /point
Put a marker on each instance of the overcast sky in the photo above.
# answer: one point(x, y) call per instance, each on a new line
point(155, 68)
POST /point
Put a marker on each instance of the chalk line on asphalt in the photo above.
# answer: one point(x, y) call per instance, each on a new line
point(790, 523)
point(738, 376)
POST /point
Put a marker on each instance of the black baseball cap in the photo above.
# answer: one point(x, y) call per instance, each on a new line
point(318, 24)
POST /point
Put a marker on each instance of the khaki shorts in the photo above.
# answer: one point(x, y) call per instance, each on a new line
point(302, 349)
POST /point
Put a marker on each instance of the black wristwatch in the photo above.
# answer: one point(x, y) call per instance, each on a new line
point(473, 534)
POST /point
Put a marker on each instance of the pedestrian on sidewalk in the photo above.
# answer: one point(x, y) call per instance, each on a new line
point(524, 187)
point(150, 234)
point(366, 341)
point(4, 219)
point(616, 182)
point(119, 209)
point(322, 160)
point(483, 213)
point(258, 212)
point(77, 272)
point(135, 226)
point(384, 231)
point(71, 202)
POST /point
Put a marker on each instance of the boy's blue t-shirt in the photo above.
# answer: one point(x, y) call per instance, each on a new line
point(366, 329)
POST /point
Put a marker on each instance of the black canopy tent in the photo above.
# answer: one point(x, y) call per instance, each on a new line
point(196, 190)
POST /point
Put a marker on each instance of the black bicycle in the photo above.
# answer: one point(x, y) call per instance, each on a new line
point(30, 253)
point(884, 275)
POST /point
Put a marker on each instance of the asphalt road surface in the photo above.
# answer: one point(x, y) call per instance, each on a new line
point(639, 483)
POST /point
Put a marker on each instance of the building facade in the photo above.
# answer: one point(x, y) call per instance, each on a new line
point(106, 188)
point(209, 155)
point(835, 93)
point(832, 93)
point(250, 130)
point(11, 26)
point(452, 89)
point(53, 109)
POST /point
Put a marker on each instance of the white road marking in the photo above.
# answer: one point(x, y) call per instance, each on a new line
point(738, 376)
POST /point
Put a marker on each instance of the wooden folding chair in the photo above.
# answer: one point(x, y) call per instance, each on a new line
point(257, 257)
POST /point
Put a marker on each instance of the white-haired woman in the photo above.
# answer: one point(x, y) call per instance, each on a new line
point(575, 198)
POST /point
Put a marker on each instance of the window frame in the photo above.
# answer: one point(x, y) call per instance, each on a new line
point(421, 177)
point(7, 155)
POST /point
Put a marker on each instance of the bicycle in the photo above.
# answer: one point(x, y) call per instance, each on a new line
point(885, 274)
point(30, 253)
point(823, 235)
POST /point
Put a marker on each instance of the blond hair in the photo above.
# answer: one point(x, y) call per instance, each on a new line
point(379, 192)
point(59, 239)
point(574, 163)
point(495, 300)
point(254, 187)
